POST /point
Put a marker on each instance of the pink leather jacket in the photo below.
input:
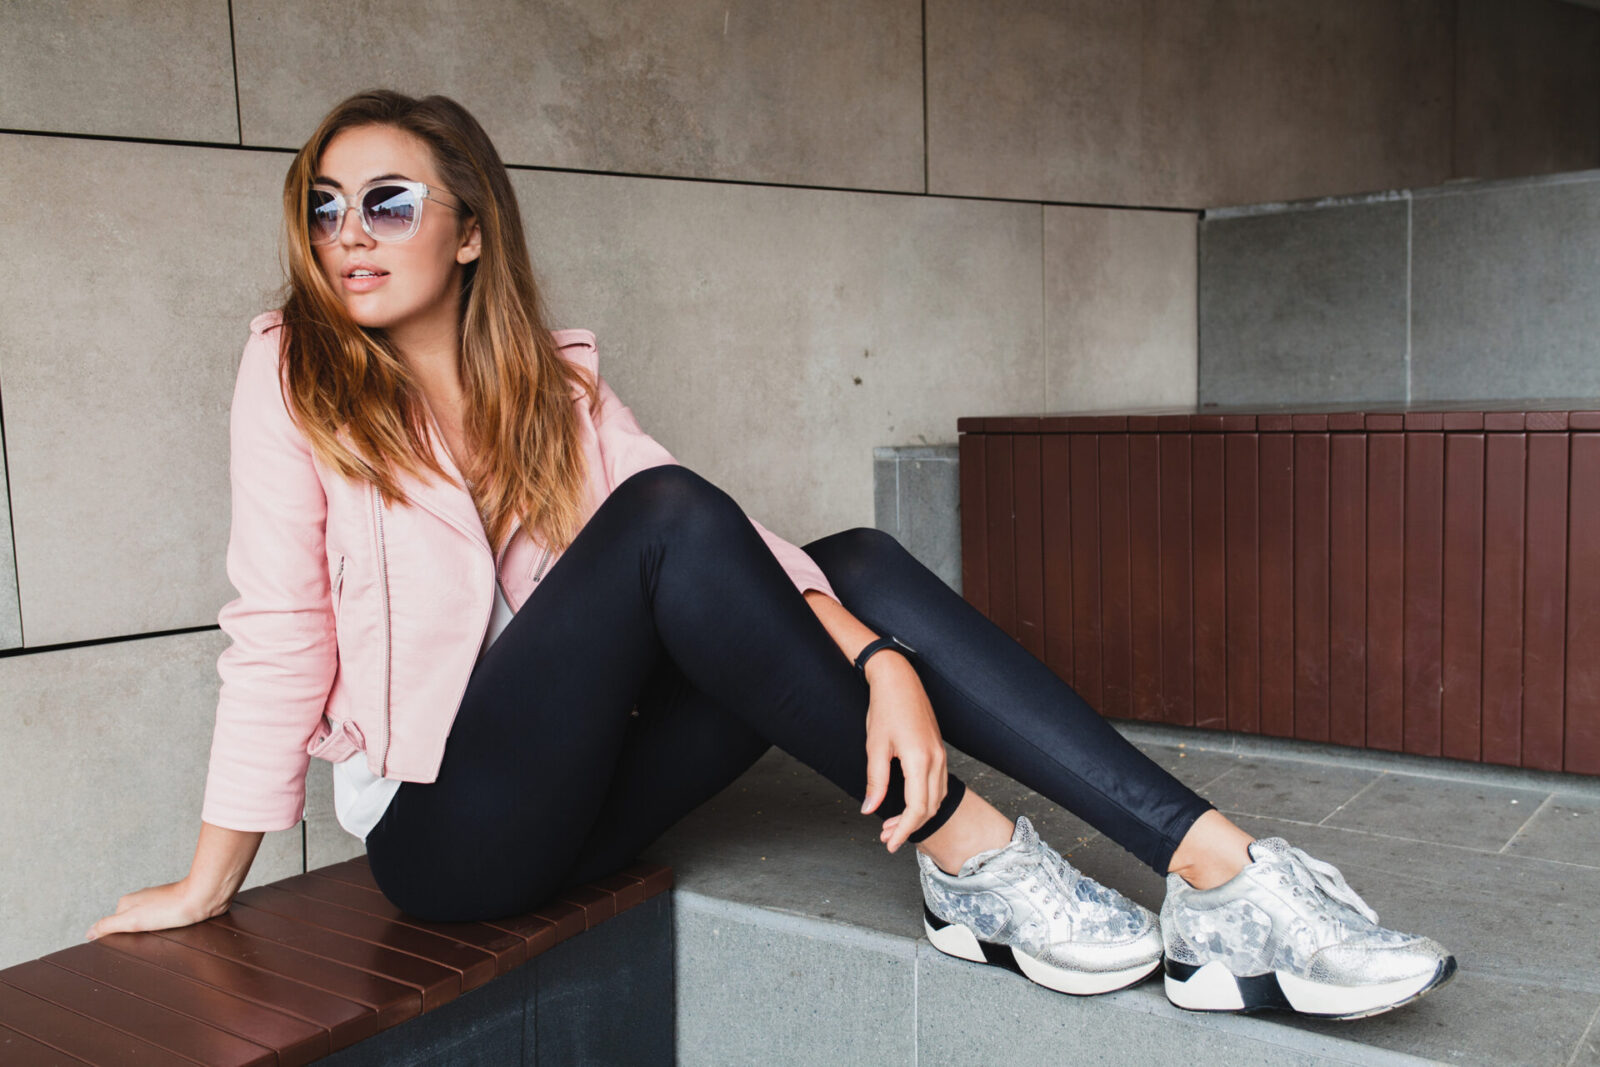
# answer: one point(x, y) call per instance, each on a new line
point(357, 624)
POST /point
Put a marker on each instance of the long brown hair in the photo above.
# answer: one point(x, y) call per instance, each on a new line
point(347, 383)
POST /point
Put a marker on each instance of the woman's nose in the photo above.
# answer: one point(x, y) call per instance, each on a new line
point(351, 231)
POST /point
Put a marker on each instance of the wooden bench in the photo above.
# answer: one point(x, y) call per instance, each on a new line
point(309, 965)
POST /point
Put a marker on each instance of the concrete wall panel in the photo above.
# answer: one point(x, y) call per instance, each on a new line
point(102, 767)
point(1505, 297)
point(140, 267)
point(1304, 307)
point(824, 92)
point(1121, 325)
point(770, 338)
point(125, 68)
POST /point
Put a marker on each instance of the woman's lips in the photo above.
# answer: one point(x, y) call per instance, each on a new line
point(364, 282)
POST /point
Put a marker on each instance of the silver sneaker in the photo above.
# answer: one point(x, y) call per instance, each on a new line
point(1289, 932)
point(1025, 908)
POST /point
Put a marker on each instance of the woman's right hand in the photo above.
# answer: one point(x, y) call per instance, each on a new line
point(222, 858)
point(158, 907)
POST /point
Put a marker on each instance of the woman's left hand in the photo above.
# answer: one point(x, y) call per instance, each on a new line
point(901, 725)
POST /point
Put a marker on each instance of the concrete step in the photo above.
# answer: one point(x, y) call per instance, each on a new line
point(799, 938)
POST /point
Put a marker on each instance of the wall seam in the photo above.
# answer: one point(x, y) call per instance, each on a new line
point(1410, 210)
point(1044, 325)
point(233, 54)
point(11, 528)
point(925, 164)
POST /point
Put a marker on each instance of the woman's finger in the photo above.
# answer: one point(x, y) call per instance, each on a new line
point(877, 777)
point(916, 810)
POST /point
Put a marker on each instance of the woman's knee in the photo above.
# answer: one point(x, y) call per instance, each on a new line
point(672, 495)
point(854, 556)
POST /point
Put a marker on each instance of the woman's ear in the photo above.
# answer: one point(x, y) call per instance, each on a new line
point(472, 246)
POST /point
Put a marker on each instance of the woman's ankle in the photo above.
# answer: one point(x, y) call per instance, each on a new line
point(1212, 852)
point(975, 826)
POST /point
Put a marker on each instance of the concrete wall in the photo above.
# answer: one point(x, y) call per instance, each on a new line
point(1470, 291)
point(800, 231)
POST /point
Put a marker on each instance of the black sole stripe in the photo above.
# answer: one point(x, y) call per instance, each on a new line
point(1263, 991)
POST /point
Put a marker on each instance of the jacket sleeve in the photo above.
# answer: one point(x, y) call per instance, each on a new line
point(626, 448)
point(279, 668)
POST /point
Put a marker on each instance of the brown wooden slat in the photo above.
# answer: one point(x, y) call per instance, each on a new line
point(1545, 603)
point(1085, 463)
point(1311, 591)
point(19, 1050)
point(597, 906)
point(1144, 573)
point(1028, 547)
point(657, 877)
point(974, 521)
point(181, 1035)
point(1002, 534)
point(90, 1041)
point(1504, 545)
point(626, 890)
point(1242, 455)
point(347, 1021)
point(1581, 747)
point(1277, 584)
point(1116, 602)
point(1461, 703)
point(1055, 476)
point(352, 871)
point(474, 965)
point(436, 984)
point(1424, 592)
point(393, 1002)
point(1386, 569)
point(1177, 580)
point(1347, 589)
point(1210, 583)
point(296, 1040)
point(508, 949)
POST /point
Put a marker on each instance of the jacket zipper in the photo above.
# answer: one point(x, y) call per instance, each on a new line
point(383, 567)
point(339, 577)
point(540, 570)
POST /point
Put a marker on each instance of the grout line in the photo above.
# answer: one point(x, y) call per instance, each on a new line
point(1584, 1040)
point(1324, 820)
point(62, 646)
point(925, 152)
point(1512, 839)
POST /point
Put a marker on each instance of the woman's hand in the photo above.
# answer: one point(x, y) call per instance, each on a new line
point(222, 858)
point(901, 725)
point(160, 907)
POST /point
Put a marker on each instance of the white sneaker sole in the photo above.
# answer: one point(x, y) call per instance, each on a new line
point(954, 939)
point(1214, 988)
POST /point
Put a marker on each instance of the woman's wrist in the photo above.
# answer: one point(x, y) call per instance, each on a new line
point(887, 663)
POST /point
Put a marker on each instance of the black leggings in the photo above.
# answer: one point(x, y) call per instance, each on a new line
point(668, 599)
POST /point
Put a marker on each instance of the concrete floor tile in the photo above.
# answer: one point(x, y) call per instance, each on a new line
point(1471, 815)
point(1587, 1052)
point(1195, 768)
point(1303, 792)
point(1474, 1019)
point(1566, 828)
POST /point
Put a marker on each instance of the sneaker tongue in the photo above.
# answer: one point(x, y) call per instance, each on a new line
point(1022, 839)
point(1268, 849)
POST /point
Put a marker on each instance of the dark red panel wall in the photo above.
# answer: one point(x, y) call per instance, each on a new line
point(1415, 581)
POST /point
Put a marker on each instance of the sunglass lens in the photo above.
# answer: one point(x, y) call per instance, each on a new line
point(323, 220)
point(391, 211)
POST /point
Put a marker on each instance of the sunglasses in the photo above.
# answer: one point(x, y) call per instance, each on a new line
point(391, 209)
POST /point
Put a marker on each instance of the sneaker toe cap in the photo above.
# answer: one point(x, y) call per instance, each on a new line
point(1371, 964)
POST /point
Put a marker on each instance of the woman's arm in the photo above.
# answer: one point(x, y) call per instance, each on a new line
point(222, 858)
point(900, 724)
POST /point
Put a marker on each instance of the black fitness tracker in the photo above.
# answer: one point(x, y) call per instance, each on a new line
point(883, 642)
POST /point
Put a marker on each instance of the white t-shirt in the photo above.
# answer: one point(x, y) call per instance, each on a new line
point(360, 797)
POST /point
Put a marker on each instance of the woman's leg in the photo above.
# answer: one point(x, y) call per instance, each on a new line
point(668, 566)
point(997, 702)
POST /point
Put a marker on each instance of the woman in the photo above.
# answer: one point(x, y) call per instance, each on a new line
point(530, 641)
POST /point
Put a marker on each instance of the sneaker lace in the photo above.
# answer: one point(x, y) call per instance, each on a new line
point(1327, 878)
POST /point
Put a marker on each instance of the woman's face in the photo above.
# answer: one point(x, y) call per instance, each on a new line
point(418, 290)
